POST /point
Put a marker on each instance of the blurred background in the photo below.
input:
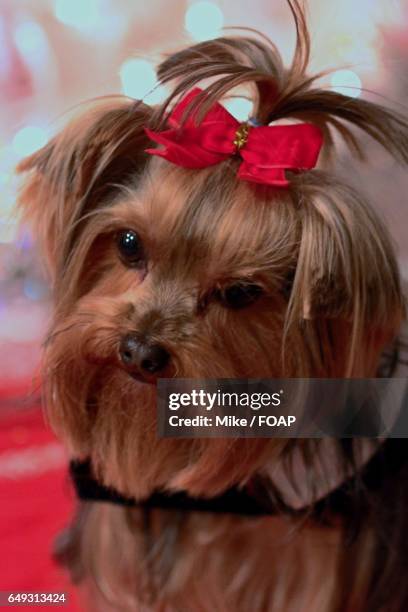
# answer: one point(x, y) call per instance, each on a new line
point(55, 54)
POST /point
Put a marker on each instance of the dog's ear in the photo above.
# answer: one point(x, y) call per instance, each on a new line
point(80, 170)
point(346, 288)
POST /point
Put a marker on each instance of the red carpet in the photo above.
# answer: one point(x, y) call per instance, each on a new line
point(36, 501)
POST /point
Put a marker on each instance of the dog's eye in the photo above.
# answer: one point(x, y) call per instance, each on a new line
point(130, 247)
point(241, 295)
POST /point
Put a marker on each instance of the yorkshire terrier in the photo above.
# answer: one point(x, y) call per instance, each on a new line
point(180, 249)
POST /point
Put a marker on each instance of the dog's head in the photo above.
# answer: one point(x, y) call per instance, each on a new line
point(161, 271)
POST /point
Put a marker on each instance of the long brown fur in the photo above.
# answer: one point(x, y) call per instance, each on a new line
point(332, 302)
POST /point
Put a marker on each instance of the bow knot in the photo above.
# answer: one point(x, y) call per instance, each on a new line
point(241, 135)
point(266, 151)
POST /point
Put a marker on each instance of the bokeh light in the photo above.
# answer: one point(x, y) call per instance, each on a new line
point(240, 108)
point(30, 39)
point(203, 20)
point(82, 14)
point(346, 82)
point(139, 81)
point(138, 77)
point(98, 18)
point(157, 95)
point(29, 139)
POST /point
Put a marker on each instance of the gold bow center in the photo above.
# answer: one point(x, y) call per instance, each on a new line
point(241, 135)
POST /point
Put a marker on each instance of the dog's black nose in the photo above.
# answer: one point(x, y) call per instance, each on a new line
point(138, 354)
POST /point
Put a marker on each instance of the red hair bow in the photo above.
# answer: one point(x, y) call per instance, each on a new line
point(266, 151)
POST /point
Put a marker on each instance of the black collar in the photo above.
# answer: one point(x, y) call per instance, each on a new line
point(255, 499)
point(248, 501)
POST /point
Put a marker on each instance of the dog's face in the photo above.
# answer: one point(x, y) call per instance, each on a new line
point(165, 272)
point(182, 278)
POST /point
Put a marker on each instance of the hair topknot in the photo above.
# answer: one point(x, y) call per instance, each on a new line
point(280, 92)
